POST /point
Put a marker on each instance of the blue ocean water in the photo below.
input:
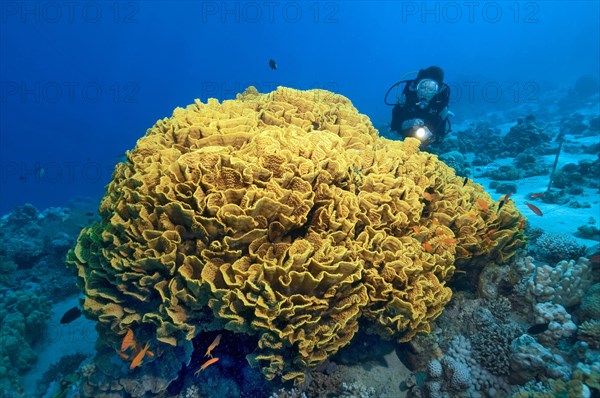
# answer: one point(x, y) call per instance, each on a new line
point(81, 82)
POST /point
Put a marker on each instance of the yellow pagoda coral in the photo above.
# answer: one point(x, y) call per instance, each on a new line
point(284, 216)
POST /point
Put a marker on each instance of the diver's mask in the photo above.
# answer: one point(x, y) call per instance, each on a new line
point(426, 90)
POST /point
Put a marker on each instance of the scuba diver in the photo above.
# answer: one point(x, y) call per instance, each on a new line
point(422, 109)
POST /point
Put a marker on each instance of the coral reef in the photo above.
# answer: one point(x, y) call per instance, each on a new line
point(61, 375)
point(474, 352)
point(589, 331)
point(480, 138)
point(527, 135)
point(530, 360)
point(590, 303)
point(564, 284)
point(34, 247)
point(483, 349)
point(491, 346)
point(283, 216)
point(584, 173)
point(553, 247)
point(587, 231)
point(522, 168)
point(456, 160)
point(558, 320)
point(460, 375)
point(23, 315)
point(503, 187)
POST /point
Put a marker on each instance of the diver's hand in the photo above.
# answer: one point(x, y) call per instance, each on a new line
point(412, 123)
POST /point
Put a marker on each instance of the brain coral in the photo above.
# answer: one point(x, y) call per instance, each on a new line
point(284, 216)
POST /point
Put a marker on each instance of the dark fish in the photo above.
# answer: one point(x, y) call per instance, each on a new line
point(465, 181)
point(89, 214)
point(272, 64)
point(537, 329)
point(71, 315)
point(504, 199)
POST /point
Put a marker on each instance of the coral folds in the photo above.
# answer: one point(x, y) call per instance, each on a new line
point(284, 216)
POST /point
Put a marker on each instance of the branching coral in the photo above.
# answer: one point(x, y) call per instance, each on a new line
point(589, 331)
point(284, 216)
point(491, 346)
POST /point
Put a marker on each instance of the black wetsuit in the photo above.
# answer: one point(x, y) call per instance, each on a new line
point(430, 115)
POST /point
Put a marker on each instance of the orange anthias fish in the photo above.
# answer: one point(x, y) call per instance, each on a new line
point(534, 209)
point(483, 204)
point(212, 346)
point(536, 195)
point(128, 340)
point(427, 247)
point(140, 355)
point(122, 355)
point(206, 365)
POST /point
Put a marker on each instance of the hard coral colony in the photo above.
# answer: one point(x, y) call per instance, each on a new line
point(249, 216)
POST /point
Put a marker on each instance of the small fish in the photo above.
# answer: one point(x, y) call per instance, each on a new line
point(449, 240)
point(428, 197)
point(503, 200)
point(465, 181)
point(537, 329)
point(122, 355)
point(205, 365)
point(595, 258)
point(71, 315)
point(89, 214)
point(138, 358)
point(534, 209)
point(128, 340)
point(500, 205)
point(536, 195)
point(272, 64)
point(212, 346)
point(483, 204)
point(427, 247)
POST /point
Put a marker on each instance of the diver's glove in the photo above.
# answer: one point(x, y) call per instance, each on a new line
point(412, 123)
